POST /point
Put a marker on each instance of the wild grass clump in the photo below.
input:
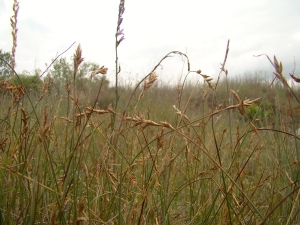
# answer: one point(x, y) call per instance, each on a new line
point(211, 152)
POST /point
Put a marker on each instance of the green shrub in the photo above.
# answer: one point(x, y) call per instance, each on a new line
point(29, 82)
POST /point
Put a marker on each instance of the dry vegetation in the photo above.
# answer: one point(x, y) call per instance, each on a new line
point(191, 154)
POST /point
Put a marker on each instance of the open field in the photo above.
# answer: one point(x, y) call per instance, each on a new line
point(75, 151)
point(178, 157)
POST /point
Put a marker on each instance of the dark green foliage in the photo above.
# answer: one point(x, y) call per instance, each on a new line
point(62, 70)
point(256, 111)
point(29, 82)
point(5, 71)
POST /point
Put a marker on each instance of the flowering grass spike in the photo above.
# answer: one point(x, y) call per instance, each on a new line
point(120, 34)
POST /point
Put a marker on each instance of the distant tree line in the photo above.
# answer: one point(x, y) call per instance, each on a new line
point(59, 74)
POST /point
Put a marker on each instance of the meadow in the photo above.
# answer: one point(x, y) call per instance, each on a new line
point(216, 151)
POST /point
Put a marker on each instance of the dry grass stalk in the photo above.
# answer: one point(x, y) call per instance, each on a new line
point(279, 69)
point(207, 79)
point(25, 122)
point(222, 69)
point(67, 87)
point(16, 91)
point(160, 140)
point(67, 119)
point(178, 112)
point(77, 61)
point(90, 110)
point(278, 73)
point(87, 113)
point(296, 79)
point(139, 120)
point(241, 108)
point(53, 216)
point(110, 109)
point(237, 134)
point(85, 170)
point(295, 162)
point(19, 94)
point(13, 22)
point(79, 117)
point(167, 125)
point(27, 178)
point(178, 88)
point(148, 83)
point(5, 85)
point(132, 179)
point(3, 144)
point(242, 104)
point(45, 88)
point(203, 96)
point(292, 74)
point(81, 207)
point(113, 178)
point(44, 130)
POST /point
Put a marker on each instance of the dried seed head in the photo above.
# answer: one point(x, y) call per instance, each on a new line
point(178, 112)
point(148, 83)
point(253, 127)
point(167, 125)
point(278, 66)
point(81, 206)
point(110, 109)
point(77, 61)
point(208, 80)
point(250, 102)
point(78, 56)
point(236, 96)
point(79, 118)
point(85, 170)
point(296, 79)
point(160, 140)
point(151, 79)
point(67, 86)
point(80, 219)
point(13, 21)
point(141, 95)
point(90, 110)
point(101, 70)
point(67, 119)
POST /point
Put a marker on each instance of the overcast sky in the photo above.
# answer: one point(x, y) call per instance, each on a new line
point(154, 28)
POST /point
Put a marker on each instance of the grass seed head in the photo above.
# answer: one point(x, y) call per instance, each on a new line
point(14, 21)
point(102, 70)
point(167, 125)
point(77, 61)
point(160, 140)
point(78, 56)
point(296, 79)
point(149, 82)
point(208, 80)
